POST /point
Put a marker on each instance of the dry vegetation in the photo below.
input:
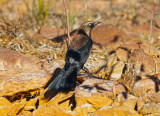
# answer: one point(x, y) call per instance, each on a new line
point(30, 27)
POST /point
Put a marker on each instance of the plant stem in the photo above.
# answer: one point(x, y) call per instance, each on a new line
point(66, 11)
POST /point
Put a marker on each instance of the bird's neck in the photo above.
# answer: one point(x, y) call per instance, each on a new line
point(87, 33)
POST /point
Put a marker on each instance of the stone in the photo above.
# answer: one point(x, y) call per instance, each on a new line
point(17, 107)
point(108, 35)
point(20, 73)
point(150, 108)
point(132, 46)
point(141, 62)
point(52, 110)
point(85, 109)
point(25, 113)
point(31, 104)
point(91, 86)
point(122, 54)
point(4, 101)
point(97, 100)
point(148, 98)
point(140, 103)
point(117, 111)
point(117, 70)
point(146, 86)
point(154, 114)
point(53, 65)
point(4, 106)
point(154, 97)
point(102, 68)
point(112, 61)
point(123, 99)
point(139, 66)
point(49, 32)
point(64, 101)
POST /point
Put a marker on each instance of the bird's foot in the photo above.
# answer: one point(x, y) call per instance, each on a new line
point(82, 74)
point(88, 75)
point(85, 70)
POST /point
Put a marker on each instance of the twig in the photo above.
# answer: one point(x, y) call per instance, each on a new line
point(152, 11)
point(145, 7)
point(156, 67)
point(66, 11)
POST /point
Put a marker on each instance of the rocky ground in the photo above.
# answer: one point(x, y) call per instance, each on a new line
point(126, 60)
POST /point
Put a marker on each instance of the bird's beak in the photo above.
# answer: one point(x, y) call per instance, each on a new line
point(96, 23)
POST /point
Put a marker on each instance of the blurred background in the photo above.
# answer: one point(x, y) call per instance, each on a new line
point(36, 13)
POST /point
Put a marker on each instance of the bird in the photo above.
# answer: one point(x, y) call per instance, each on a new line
point(76, 56)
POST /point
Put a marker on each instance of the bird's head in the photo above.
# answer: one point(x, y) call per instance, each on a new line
point(88, 26)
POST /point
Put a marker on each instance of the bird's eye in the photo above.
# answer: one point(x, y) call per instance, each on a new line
point(89, 24)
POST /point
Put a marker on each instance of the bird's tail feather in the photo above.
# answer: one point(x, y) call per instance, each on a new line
point(66, 80)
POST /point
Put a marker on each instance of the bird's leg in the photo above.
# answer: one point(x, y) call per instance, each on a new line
point(85, 70)
point(89, 74)
point(80, 74)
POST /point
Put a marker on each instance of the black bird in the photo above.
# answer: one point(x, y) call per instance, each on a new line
point(76, 56)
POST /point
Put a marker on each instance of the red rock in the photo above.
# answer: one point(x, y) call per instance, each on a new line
point(92, 86)
point(62, 100)
point(85, 109)
point(88, 93)
point(20, 73)
point(50, 33)
point(138, 66)
point(122, 54)
point(155, 97)
point(146, 86)
point(123, 99)
point(132, 46)
point(53, 65)
point(117, 71)
point(97, 100)
point(108, 35)
point(150, 108)
point(153, 114)
point(116, 111)
point(25, 113)
point(4, 106)
point(141, 62)
point(31, 104)
point(17, 107)
point(52, 111)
